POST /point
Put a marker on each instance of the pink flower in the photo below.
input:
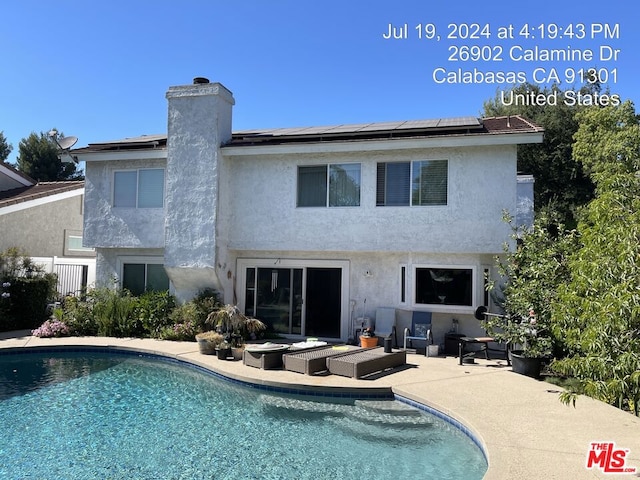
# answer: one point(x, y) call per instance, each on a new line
point(51, 328)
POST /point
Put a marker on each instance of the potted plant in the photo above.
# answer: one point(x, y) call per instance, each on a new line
point(224, 350)
point(235, 326)
point(209, 341)
point(237, 345)
point(529, 341)
point(368, 338)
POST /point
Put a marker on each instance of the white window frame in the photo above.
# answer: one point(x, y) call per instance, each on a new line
point(435, 307)
point(328, 185)
point(147, 260)
point(77, 252)
point(137, 193)
point(410, 186)
point(241, 274)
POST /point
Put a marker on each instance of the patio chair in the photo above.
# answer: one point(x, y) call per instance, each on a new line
point(386, 324)
point(420, 330)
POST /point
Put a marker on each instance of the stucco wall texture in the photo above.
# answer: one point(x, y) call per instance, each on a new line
point(259, 210)
point(40, 230)
point(110, 227)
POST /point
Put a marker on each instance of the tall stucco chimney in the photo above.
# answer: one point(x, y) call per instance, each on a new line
point(199, 122)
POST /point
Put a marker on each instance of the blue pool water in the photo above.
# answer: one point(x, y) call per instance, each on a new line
point(99, 416)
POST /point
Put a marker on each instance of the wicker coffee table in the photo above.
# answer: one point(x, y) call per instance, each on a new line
point(314, 361)
point(266, 356)
point(370, 360)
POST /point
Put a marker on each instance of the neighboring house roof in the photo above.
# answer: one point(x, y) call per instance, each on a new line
point(11, 178)
point(363, 131)
point(37, 191)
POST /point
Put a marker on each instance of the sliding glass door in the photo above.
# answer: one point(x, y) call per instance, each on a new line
point(305, 301)
point(278, 298)
point(323, 295)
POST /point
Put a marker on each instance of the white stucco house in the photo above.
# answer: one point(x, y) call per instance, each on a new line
point(308, 228)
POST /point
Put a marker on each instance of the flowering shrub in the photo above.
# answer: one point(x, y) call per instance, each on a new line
point(186, 330)
point(5, 305)
point(51, 328)
point(108, 312)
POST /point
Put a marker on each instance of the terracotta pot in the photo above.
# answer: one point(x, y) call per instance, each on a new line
point(368, 342)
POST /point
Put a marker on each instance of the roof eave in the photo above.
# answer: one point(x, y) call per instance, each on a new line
point(11, 205)
point(117, 155)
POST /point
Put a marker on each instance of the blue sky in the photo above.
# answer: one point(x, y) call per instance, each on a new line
point(100, 70)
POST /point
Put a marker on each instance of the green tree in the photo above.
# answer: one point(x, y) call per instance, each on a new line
point(531, 274)
point(598, 310)
point(608, 141)
point(560, 180)
point(5, 148)
point(38, 158)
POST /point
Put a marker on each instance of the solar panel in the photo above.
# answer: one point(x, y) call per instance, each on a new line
point(382, 126)
point(419, 124)
point(362, 127)
point(459, 122)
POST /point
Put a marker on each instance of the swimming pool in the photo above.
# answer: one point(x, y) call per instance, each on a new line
point(79, 415)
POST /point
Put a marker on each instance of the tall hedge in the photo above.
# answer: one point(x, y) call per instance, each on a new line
point(26, 305)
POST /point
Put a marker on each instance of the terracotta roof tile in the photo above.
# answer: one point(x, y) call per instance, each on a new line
point(510, 124)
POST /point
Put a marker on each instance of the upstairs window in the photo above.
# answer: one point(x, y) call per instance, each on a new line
point(412, 183)
point(335, 185)
point(142, 188)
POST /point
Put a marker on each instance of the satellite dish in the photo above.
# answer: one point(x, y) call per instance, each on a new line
point(66, 143)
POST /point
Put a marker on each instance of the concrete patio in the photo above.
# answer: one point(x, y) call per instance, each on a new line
point(525, 430)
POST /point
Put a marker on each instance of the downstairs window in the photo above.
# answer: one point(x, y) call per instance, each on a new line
point(444, 286)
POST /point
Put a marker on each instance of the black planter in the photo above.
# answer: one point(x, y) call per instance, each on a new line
point(530, 367)
point(223, 353)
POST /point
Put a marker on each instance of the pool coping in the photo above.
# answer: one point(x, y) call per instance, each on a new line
point(519, 424)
